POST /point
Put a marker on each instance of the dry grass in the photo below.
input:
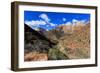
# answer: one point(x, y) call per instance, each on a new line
point(32, 56)
point(77, 44)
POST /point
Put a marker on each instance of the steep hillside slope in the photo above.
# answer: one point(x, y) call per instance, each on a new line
point(77, 44)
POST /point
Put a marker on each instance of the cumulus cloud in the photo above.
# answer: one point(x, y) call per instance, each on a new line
point(68, 23)
point(47, 29)
point(52, 24)
point(74, 20)
point(83, 21)
point(35, 23)
point(64, 19)
point(44, 17)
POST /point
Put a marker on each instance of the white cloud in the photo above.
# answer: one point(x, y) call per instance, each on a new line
point(64, 19)
point(83, 21)
point(47, 20)
point(52, 24)
point(74, 20)
point(47, 29)
point(35, 23)
point(68, 23)
point(45, 17)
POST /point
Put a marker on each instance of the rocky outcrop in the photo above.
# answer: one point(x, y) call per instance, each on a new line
point(34, 41)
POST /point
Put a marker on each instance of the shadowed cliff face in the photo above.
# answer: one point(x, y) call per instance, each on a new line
point(36, 41)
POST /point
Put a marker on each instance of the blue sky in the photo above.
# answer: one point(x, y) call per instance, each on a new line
point(50, 20)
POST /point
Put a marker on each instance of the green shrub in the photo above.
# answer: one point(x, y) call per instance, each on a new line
point(55, 54)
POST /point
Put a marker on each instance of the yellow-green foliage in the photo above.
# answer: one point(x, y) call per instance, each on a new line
point(55, 54)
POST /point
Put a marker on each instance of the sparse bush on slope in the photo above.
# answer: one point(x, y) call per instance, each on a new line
point(56, 54)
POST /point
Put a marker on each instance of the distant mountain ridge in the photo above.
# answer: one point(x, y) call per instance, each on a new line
point(39, 26)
